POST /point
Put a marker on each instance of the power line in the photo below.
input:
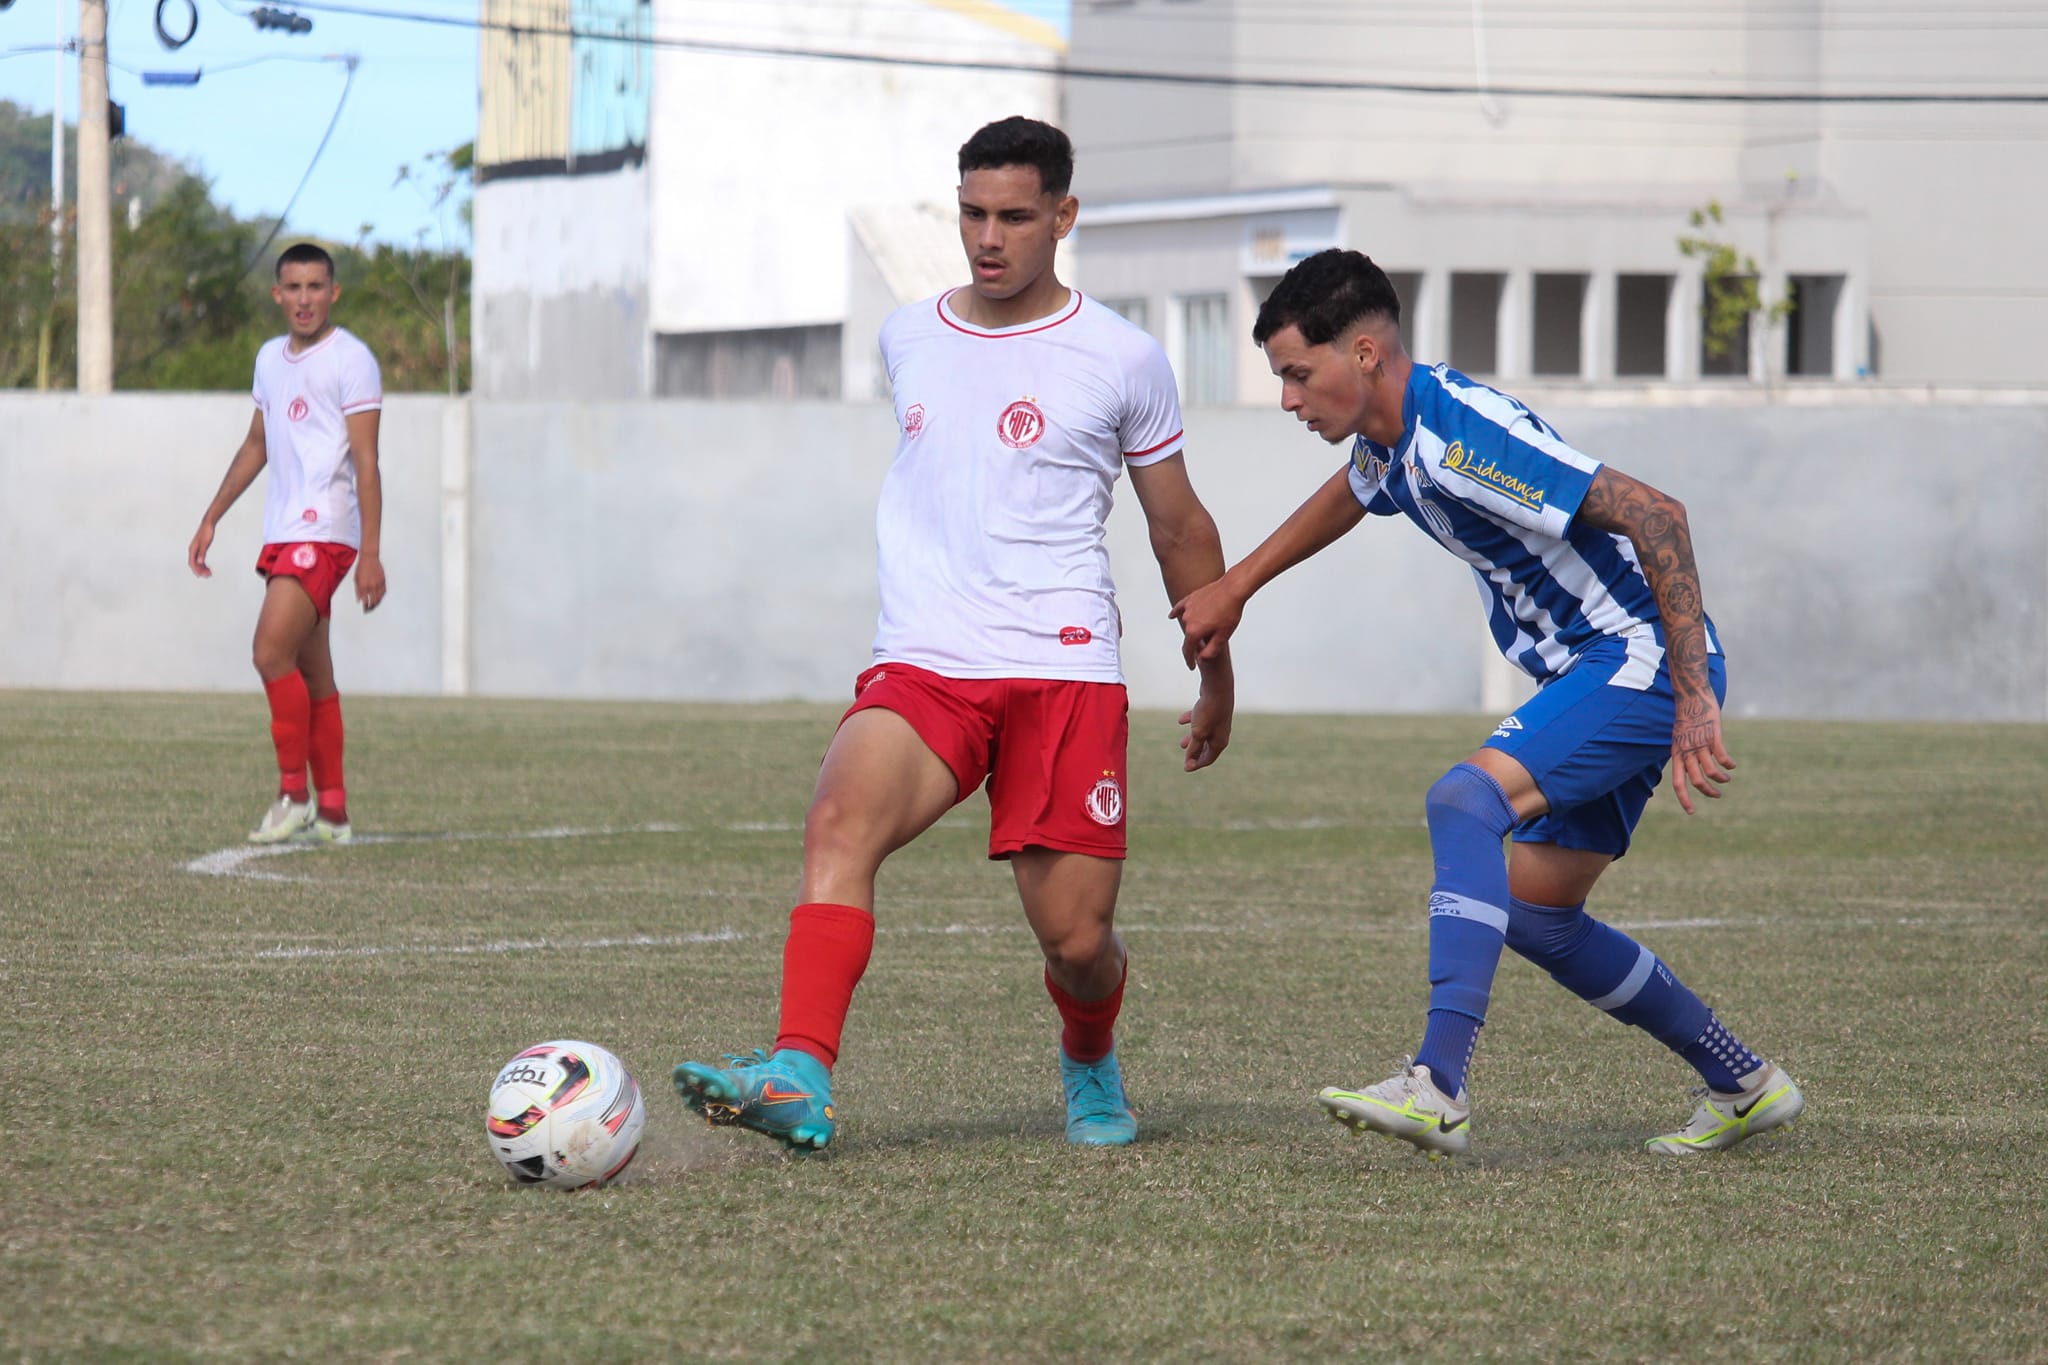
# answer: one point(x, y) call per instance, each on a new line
point(1180, 78)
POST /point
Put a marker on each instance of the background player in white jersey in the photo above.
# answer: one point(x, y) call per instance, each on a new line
point(318, 398)
point(1019, 403)
point(1592, 590)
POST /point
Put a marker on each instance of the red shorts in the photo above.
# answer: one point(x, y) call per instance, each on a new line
point(1052, 751)
point(319, 565)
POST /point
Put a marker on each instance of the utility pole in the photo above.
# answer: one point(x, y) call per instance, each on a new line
point(56, 203)
point(95, 221)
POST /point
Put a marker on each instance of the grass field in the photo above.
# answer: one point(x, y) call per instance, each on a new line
point(246, 1095)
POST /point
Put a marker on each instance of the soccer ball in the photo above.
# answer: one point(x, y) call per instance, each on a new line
point(565, 1114)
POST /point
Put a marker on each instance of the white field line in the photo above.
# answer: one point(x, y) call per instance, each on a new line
point(237, 862)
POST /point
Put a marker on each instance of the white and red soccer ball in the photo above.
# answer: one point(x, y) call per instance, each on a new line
point(565, 1114)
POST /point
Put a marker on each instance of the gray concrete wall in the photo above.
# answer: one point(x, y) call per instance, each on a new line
point(1863, 559)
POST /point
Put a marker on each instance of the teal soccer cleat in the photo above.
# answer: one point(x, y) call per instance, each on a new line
point(787, 1095)
point(1098, 1112)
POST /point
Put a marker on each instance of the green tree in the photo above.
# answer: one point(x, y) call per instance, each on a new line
point(192, 288)
point(1730, 296)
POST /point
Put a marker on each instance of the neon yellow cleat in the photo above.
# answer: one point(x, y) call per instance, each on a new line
point(1773, 1100)
point(284, 819)
point(1408, 1106)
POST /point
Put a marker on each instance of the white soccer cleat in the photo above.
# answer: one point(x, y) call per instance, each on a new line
point(1771, 1100)
point(1408, 1106)
point(324, 831)
point(285, 818)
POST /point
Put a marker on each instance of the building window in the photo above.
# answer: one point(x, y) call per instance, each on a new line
point(1642, 304)
point(1475, 321)
point(1733, 358)
point(1137, 312)
point(1202, 353)
point(1555, 323)
point(772, 362)
point(1810, 326)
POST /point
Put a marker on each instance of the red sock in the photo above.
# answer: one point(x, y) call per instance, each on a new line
point(323, 753)
point(822, 961)
point(290, 722)
point(1088, 1025)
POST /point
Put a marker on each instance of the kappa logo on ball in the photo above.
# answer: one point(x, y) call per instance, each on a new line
point(304, 557)
point(298, 410)
point(1075, 635)
point(913, 419)
point(1021, 424)
point(1106, 801)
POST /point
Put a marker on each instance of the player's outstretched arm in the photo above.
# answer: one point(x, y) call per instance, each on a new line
point(242, 471)
point(362, 450)
point(1210, 613)
point(1190, 553)
point(1655, 524)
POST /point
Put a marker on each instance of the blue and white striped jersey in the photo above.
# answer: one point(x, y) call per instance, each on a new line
point(1499, 489)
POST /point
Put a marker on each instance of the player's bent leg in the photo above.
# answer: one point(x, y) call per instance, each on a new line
point(1408, 1106)
point(786, 1094)
point(1070, 901)
point(1769, 1100)
point(879, 787)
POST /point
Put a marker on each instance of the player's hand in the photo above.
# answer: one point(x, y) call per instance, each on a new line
point(195, 553)
point(369, 581)
point(1207, 617)
point(1208, 735)
point(1699, 757)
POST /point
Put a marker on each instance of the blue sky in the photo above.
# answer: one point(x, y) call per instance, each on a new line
point(252, 131)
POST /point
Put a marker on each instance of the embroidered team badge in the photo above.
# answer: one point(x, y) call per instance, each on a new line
point(304, 557)
point(913, 419)
point(1106, 801)
point(298, 410)
point(1021, 424)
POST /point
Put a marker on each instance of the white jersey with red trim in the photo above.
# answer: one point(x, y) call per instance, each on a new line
point(306, 400)
point(990, 529)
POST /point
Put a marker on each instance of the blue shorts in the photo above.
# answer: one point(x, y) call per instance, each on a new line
point(1596, 747)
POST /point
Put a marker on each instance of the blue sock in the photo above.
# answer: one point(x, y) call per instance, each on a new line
point(1469, 814)
point(1612, 972)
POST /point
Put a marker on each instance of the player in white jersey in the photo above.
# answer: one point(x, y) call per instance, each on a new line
point(318, 400)
point(1019, 403)
point(1593, 591)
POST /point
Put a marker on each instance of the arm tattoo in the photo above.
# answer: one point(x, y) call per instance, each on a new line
point(1655, 524)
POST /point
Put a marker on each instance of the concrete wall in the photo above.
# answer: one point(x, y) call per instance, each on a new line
point(1863, 559)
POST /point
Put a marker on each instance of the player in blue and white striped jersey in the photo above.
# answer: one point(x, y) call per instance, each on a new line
point(1591, 589)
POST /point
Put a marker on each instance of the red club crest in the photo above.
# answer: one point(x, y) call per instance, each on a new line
point(1021, 424)
point(298, 410)
point(913, 419)
point(304, 557)
point(1106, 801)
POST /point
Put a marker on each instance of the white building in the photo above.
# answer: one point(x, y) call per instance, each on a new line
point(685, 213)
point(1532, 231)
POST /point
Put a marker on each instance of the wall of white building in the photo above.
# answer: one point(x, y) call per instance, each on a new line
point(1955, 285)
point(558, 295)
point(758, 161)
point(1878, 558)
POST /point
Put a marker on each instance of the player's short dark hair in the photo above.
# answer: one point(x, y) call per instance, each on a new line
point(1326, 295)
point(304, 253)
point(1020, 141)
